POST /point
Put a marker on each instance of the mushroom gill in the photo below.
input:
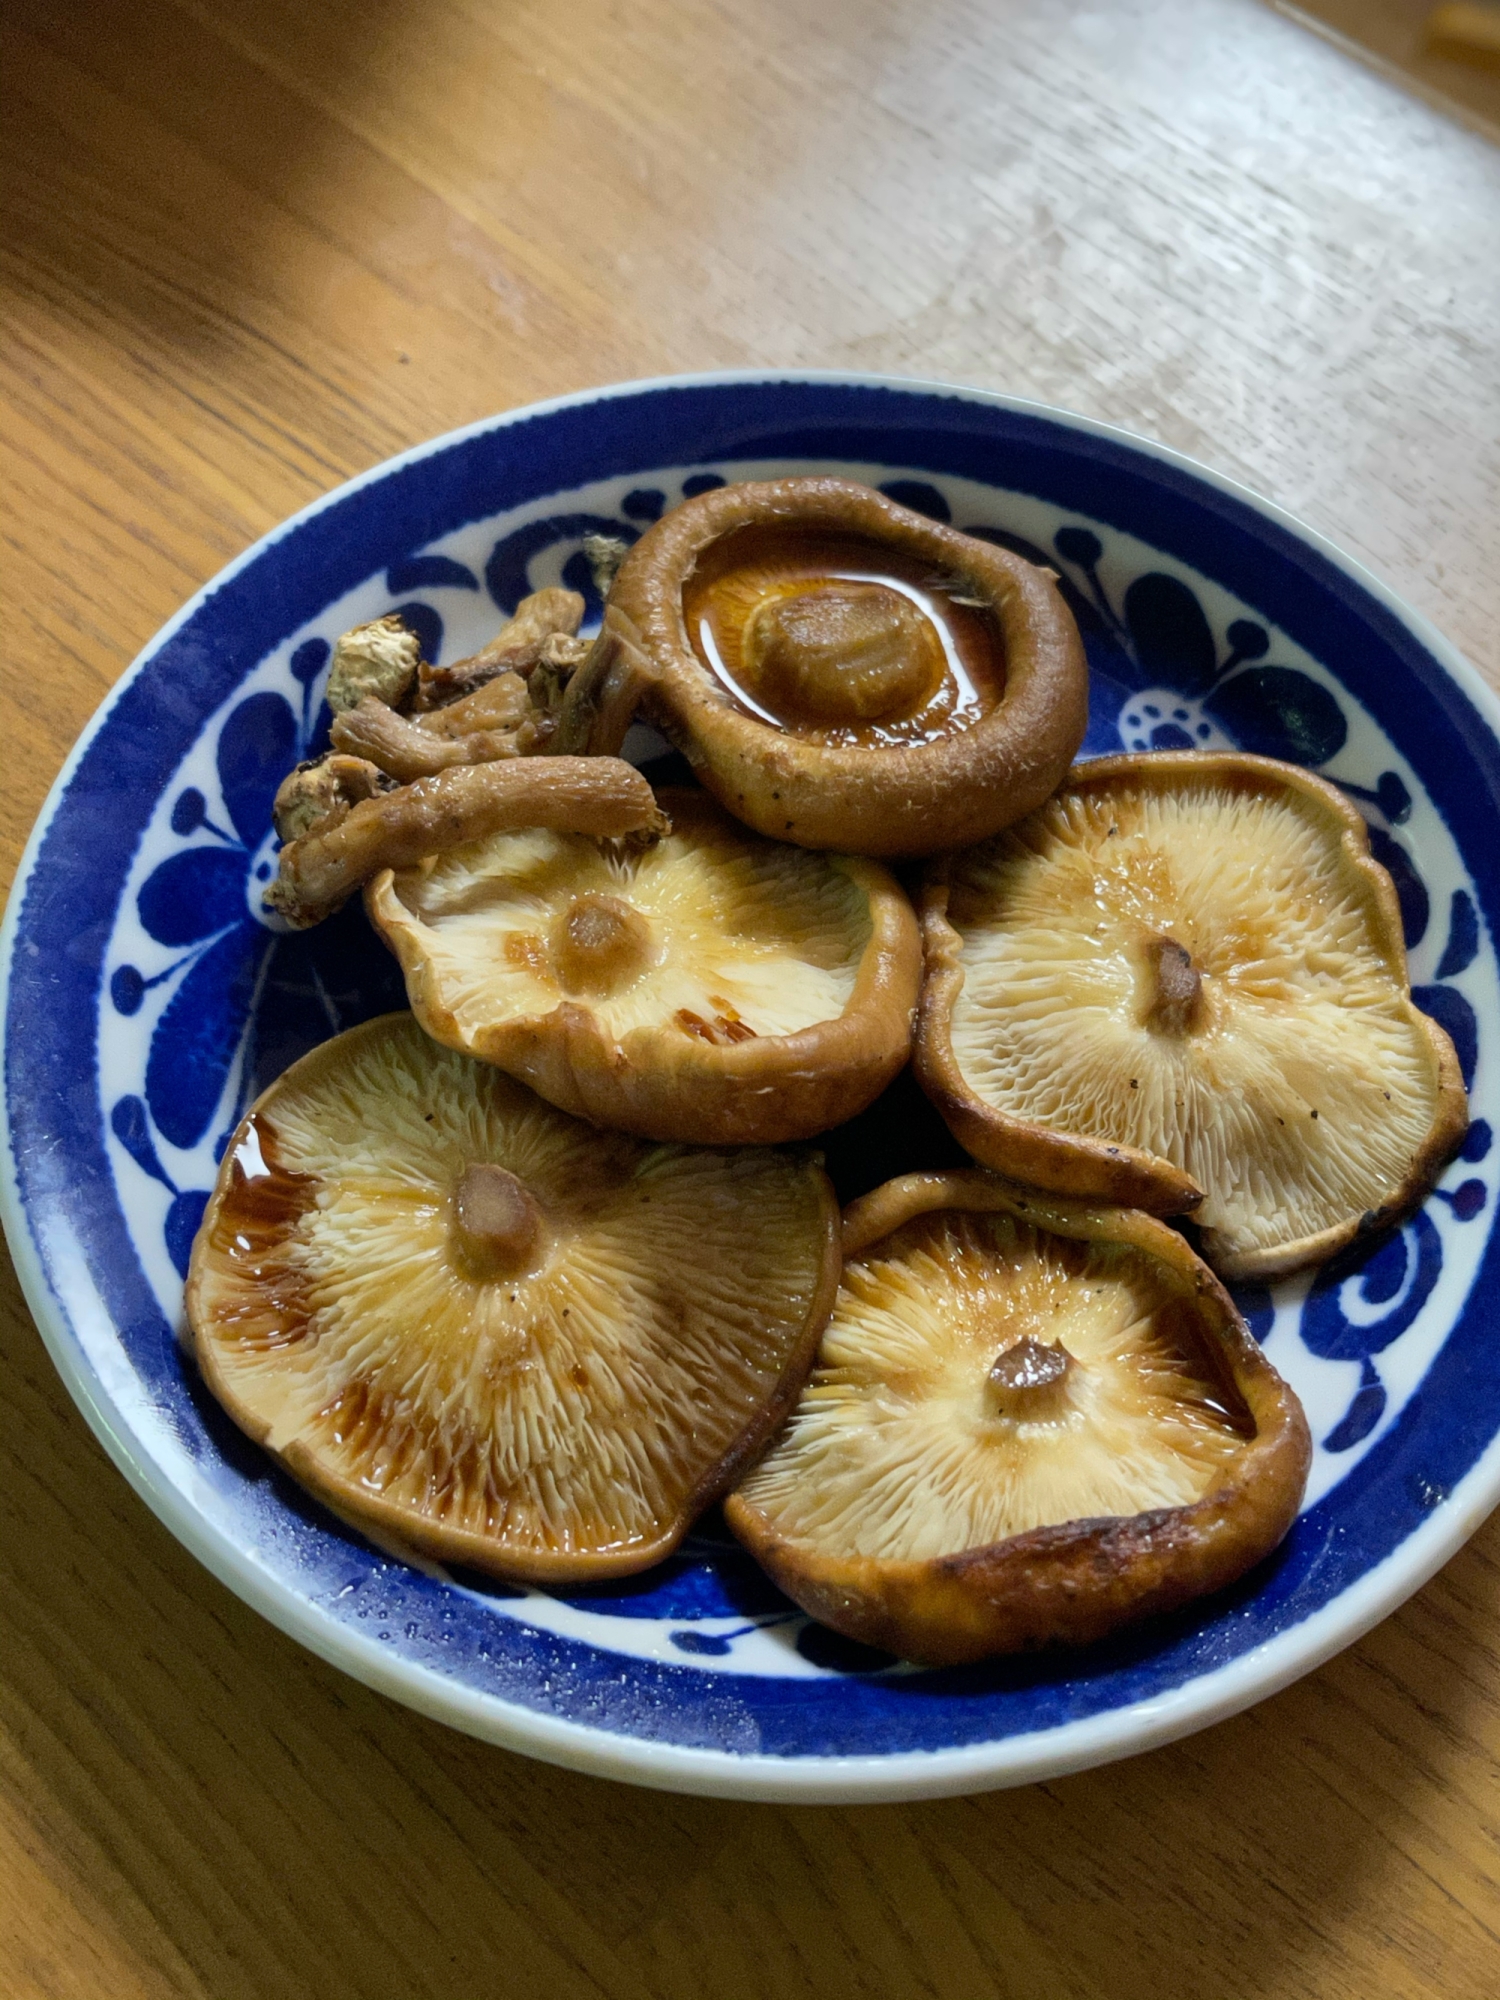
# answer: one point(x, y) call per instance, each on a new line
point(1182, 984)
point(505, 1339)
point(711, 987)
point(1028, 1421)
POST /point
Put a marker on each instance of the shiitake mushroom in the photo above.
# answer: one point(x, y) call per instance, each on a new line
point(491, 1333)
point(711, 987)
point(1030, 1422)
point(1181, 985)
point(840, 671)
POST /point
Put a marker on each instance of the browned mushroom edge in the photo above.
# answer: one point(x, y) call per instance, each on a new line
point(911, 800)
point(1092, 1169)
point(663, 1084)
point(1079, 1580)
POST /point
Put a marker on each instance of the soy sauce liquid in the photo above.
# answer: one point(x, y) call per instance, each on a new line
point(259, 1211)
point(737, 572)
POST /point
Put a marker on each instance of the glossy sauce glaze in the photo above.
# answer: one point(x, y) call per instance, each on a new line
point(246, 1238)
point(769, 580)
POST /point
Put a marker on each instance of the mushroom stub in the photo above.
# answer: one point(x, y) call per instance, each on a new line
point(1181, 984)
point(1030, 1422)
point(711, 987)
point(841, 672)
point(489, 1332)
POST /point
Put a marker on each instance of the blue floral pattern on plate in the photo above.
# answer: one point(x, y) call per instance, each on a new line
point(1193, 636)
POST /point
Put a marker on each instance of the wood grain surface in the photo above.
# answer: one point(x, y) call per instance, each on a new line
point(1423, 45)
point(250, 249)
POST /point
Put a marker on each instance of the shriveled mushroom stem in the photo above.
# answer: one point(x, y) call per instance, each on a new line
point(497, 1220)
point(602, 697)
point(1026, 1377)
point(321, 792)
point(601, 796)
point(407, 751)
point(515, 648)
point(598, 943)
point(1176, 997)
point(499, 704)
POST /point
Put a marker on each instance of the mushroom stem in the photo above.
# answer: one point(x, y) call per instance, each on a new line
point(598, 943)
point(1176, 988)
point(1024, 1377)
point(595, 795)
point(497, 1219)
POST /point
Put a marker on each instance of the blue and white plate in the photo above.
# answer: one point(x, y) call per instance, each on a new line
point(148, 998)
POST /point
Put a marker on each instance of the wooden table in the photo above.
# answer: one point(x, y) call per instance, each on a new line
point(250, 249)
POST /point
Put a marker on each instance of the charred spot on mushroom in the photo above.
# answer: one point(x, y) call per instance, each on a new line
point(320, 792)
point(500, 1335)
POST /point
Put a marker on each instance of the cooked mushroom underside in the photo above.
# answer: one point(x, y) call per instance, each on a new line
point(573, 1407)
point(898, 1449)
point(1304, 1084)
point(735, 935)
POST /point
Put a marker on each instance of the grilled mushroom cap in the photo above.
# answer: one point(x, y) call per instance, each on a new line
point(1030, 1421)
point(1182, 984)
point(713, 988)
point(495, 1334)
point(841, 672)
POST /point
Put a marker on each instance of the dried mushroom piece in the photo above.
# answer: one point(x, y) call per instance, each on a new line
point(322, 869)
point(841, 672)
point(1182, 984)
point(380, 660)
point(713, 987)
point(492, 1333)
point(320, 792)
point(515, 648)
point(497, 721)
point(1029, 1422)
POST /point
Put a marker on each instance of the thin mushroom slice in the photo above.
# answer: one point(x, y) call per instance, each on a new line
point(1030, 1422)
point(493, 1334)
point(841, 672)
point(1182, 984)
point(712, 987)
